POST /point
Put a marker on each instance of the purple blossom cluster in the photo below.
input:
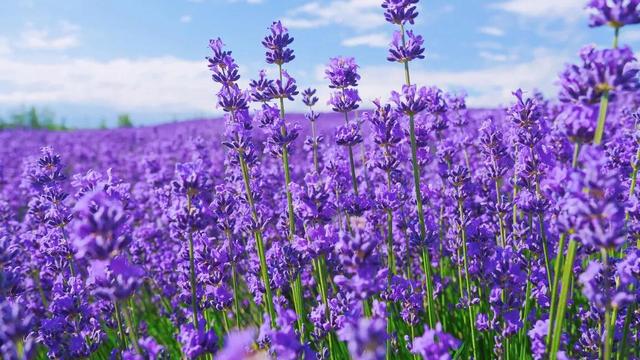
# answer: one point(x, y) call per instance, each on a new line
point(416, 228)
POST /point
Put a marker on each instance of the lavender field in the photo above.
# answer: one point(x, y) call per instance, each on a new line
point(409, 227)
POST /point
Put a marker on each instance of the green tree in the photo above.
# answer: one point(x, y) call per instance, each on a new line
point(124, 121)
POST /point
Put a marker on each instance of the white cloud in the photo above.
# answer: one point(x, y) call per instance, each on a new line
point(491, 30)
point(630, 34)
point(358, 14)
point(5, 46)
point(165, 83)
point(372, 40)
point(564, 9)
point(185, 19)
point(66, 37)
point(492, 56)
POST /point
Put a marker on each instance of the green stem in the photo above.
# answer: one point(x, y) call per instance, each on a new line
point(567, 272)
point(622, 352)
point(554, 286)
point(608, 326)
point(36, 279)
point(132, 331)
point(472, 326)
point(503, 234)
point(316, 164)
point(602, 117)
point(576, 154)
point(234, 281)
point(296, 283)
point(320, 265)
point(616, 34)
point(352, 163)
point(525, 314)
point(123, 340)
point(545, 251)
point(259, 243)
point(426, 261)
point(192, 269)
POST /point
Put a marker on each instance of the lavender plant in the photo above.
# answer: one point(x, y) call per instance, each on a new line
point(461, 233)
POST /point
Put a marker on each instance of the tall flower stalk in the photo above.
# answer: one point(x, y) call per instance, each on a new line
point(343, 77)
point(309, 98)
point(411, 102)
point(405, 48)
point(284, 87)
point(235, 103)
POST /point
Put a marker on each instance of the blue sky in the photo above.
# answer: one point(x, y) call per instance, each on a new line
point(88, 60)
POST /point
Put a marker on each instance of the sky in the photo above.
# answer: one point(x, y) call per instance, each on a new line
point(90, 60)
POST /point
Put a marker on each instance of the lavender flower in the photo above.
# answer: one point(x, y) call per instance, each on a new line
point(342, 73)
point(615, 13)
point(276, 44)
point(197, 342)
point(400, 11)
point(405, 50)
point(434, 344)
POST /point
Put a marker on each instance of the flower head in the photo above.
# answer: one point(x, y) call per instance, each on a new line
point(615, 13)
point(344, 101)
point(365, 338)
point(276, 44)
point(611, 70)
point(434, 344)
point(400, 11)
point(412, 100)
point(99, 226)
point(284, 88)
point(405, 50)
point(342, 72)
point(261, 88)
point(309, 97)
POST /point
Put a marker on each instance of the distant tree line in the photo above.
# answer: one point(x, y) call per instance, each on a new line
point(33, 118)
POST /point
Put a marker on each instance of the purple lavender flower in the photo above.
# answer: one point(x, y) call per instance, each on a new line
point(594, 206)
point(434, 344)
point(412, 100)
point(348, 135)
point(538, 335)
point(219, 54)
point(261, 89)
point(276, 44)
point(615, 13)
point(116, 281)
point(344, 101)
point(99, 226)
point(386, 125)
point(405, 50)
point(151, 348)
point(365, 338)
point(610, 70)
point(342, 72)
point(285, 88)
point(400, 11)
point(225, 70)
point(238, 346)
point(15, 323)
point(232, 99)
point(309, 97)
point(197, 342)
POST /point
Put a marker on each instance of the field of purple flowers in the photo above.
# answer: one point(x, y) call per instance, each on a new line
point(417, 229)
